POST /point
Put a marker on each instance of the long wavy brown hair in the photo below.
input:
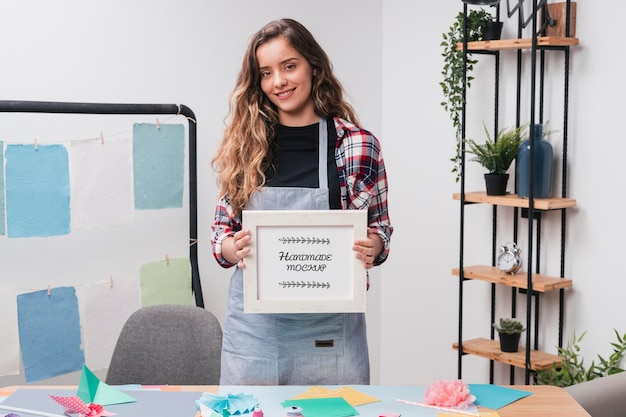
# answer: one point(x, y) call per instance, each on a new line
point(244, 153)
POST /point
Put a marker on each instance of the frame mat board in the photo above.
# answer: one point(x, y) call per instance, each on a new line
point(328, 234)
point(50, 107)
point(153, 403)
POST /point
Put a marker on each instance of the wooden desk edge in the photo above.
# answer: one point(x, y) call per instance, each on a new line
point(549, 394)
point(517, 409)
point(213, 389)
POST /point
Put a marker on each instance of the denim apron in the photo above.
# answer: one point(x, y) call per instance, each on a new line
point(292, 349)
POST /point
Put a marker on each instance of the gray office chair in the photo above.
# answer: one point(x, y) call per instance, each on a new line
point(602, 397)
point(167, 344)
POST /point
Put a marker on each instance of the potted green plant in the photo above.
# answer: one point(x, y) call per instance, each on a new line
point(509, 330)
point(453, 67)
point(572, 370)
point(497, 155)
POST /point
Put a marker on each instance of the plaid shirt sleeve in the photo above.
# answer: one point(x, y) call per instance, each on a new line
point(225, 224)
point(363, 179)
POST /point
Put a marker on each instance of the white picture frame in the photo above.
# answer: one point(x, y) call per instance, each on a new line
point(301, 261)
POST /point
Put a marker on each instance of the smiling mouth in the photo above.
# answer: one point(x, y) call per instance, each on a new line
point(285, 93)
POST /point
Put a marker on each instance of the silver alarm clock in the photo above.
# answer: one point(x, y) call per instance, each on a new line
point(509, 258)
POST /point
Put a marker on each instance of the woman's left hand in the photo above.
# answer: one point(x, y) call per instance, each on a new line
point(368, 249)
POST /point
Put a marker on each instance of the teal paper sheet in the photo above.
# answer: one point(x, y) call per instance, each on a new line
point(159, 165)
point(495, 396)
point(323, 407)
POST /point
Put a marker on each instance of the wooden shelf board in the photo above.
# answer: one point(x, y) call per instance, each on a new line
point(512, 200)
point(525, 43)
point(490, 349)
point(541, 283)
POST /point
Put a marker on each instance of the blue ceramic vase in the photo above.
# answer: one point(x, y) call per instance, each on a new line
point(543, 164)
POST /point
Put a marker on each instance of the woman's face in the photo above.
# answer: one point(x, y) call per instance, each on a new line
point(286, 79)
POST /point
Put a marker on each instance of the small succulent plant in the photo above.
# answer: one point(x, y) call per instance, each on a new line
point(509, 326)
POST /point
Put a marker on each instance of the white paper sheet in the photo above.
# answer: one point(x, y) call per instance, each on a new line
point(106, 307)
point(9, 336)
point(101, 183)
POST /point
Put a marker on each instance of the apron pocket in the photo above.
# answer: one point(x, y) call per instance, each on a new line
point(302, 335)
point(242, 370)
point(310, 370)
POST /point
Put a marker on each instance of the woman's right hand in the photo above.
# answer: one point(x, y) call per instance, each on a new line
point(241, 239)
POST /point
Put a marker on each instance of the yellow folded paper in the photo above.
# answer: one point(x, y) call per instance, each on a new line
point(352, 396)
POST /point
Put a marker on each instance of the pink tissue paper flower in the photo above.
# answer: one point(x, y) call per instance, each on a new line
point(449, 393)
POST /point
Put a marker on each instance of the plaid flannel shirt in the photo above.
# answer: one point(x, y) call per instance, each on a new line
point(363, 183)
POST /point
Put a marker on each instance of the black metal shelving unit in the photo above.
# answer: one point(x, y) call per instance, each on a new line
point(534, 284)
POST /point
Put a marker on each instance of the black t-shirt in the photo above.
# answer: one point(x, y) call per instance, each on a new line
point(295, 160)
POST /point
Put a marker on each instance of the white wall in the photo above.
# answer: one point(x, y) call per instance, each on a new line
point(388, 56)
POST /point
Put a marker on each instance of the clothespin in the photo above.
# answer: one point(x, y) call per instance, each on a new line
point(101, 138)
point(49, 291)
point(158, 124)
point(167, 259)
point(36, 145)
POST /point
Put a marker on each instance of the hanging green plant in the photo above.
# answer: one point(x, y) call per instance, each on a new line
point(452, 84)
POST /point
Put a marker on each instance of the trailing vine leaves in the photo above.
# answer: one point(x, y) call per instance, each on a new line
point(573, 369)
point(452, 84)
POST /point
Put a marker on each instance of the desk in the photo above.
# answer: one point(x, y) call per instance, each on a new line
point(545, 401)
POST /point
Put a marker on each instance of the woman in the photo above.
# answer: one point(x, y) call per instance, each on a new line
point(293, 144)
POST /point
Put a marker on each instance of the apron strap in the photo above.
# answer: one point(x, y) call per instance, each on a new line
point(323, 154)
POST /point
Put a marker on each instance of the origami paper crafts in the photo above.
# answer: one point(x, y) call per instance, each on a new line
point(235, 403)
point(207, 412)
point(74, 405)
point(351, 395)
point(92, 390)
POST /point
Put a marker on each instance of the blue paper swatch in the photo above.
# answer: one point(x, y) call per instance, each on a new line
point(159, 165)
point(49, 331)
point(37, 191)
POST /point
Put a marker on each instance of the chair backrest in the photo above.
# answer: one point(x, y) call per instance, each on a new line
point(167, 344)
point(602, 397)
